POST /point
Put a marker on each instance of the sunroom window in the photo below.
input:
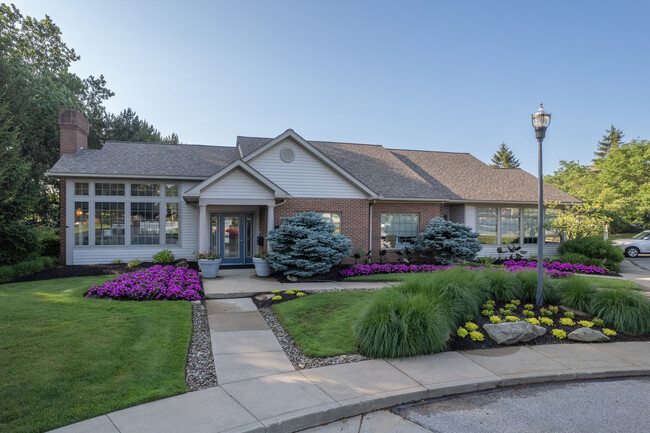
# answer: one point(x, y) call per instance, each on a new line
point(145, 223)
point(510, 225)
point(109, 223)
point(171, 224)
point(145, 189)
point(399, 230)
point(81, 223)
point(486, 225)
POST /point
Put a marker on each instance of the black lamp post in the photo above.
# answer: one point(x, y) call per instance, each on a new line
point(540, 121)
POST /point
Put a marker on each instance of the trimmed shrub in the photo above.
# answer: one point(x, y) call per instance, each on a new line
point(398, 324)
point(164, 257)
point(582, 259)
point(445, 243)
point(306, 245)
point(626, 310)
point(50, 241)
point(18, 242)
point(595, 248)
point(576, 293)
point(26, 267)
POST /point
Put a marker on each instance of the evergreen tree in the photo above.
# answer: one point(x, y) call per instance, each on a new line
point(445, 243)
point(127, 126)
point(17, 196)
point(612, 139)
point(306, 245)
point(504, 158)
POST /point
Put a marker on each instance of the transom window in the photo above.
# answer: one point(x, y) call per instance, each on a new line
point(399, 230)
point(81, 188)
point(171, 190)
point(145, 189)
point(109, 189)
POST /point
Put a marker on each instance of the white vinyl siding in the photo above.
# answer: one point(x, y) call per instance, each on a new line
point(236, 184)
point(305, 176)
point(89, 254)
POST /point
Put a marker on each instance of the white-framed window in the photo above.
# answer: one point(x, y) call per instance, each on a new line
point(333, 218)
point(145, 223)
point(109, 189)
point(109, 223)
point(486, 224)
point(399, 230)
point(122, 213)
point(145, 189)
point(504, 225)
point(81, 188)
point(81, 227)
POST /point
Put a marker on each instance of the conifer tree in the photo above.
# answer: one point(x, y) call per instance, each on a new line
point(612, 139)
point(504, 158)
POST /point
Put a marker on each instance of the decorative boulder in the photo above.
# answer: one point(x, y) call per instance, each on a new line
point(588, 335)
point(513, 332)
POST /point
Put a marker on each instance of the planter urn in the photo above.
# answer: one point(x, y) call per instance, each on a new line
point(262, 267)
point(209, 268)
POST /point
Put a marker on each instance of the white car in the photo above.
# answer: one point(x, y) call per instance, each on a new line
point(635, 245)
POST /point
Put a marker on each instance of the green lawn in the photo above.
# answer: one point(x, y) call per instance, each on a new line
point(65, 358)
point(321, 323)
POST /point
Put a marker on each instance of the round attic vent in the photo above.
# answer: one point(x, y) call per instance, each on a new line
point(287, 154)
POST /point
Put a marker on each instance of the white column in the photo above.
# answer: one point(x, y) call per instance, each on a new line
point(270, 223)
point(203, 230)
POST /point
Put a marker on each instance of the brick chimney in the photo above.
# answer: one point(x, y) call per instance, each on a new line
point(74, 131)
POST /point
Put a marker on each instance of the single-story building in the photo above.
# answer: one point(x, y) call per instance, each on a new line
point(131, 200)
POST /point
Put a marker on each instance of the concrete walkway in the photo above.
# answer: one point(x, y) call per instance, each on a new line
point(242, 283)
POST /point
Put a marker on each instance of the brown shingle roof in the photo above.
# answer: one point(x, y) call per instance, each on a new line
point(391, 173)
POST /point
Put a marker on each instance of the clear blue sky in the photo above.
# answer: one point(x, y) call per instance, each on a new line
point(460, 76)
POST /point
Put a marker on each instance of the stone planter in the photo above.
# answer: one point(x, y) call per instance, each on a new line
point(262, 268)
point(209, 268)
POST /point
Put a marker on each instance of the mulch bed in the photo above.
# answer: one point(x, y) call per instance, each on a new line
point(266, 301)
point(457, 344)
point(334, 274)
point(86, 271)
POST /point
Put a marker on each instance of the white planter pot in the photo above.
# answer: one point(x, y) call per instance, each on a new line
point(209, 268)
point(262, 268)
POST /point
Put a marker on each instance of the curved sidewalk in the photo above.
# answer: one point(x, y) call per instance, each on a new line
point(260, 391)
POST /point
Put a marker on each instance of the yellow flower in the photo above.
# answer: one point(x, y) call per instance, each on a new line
point(559, 334)
point(476, 336)
point(609, 332)
point(471, 326)
point(462, 332)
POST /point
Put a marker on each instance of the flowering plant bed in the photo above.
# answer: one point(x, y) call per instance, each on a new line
point(267, 299)
point(549, 317)
point(552, 269)
point(154, 283)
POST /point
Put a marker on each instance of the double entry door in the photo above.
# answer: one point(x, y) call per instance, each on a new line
point(231, 236)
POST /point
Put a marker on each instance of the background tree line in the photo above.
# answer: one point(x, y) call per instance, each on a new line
point(35, 83)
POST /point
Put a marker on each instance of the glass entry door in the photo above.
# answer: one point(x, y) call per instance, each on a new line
point(231, 236)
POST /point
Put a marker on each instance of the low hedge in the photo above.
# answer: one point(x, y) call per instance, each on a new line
point(596, 249)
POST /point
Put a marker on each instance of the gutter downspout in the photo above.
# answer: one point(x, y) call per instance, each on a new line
point(370, 225)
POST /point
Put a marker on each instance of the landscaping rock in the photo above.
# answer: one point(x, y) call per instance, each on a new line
point(588, 335)
point(513, 332)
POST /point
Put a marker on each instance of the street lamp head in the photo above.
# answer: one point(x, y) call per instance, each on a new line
point(540, 121)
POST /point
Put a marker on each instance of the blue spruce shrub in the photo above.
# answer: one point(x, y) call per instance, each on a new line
point(445, 243)
point(305, 245)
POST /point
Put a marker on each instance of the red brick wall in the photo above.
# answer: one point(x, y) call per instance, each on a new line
point(354, 215)
point(426, 211)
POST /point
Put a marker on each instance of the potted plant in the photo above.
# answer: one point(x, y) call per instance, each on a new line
point(209, 264)
point(262, 268)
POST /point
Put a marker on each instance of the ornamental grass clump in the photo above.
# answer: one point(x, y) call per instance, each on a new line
point(577, 293)
point(623, 309)
point(503, 286)
point(528, 280)
point(155, 283)
point(397, 324)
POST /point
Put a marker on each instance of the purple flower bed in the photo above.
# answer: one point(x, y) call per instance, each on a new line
point(552, 269)
point(157, 282)
point(388, 268)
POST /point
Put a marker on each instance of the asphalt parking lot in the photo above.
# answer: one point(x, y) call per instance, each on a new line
point(602, 406)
